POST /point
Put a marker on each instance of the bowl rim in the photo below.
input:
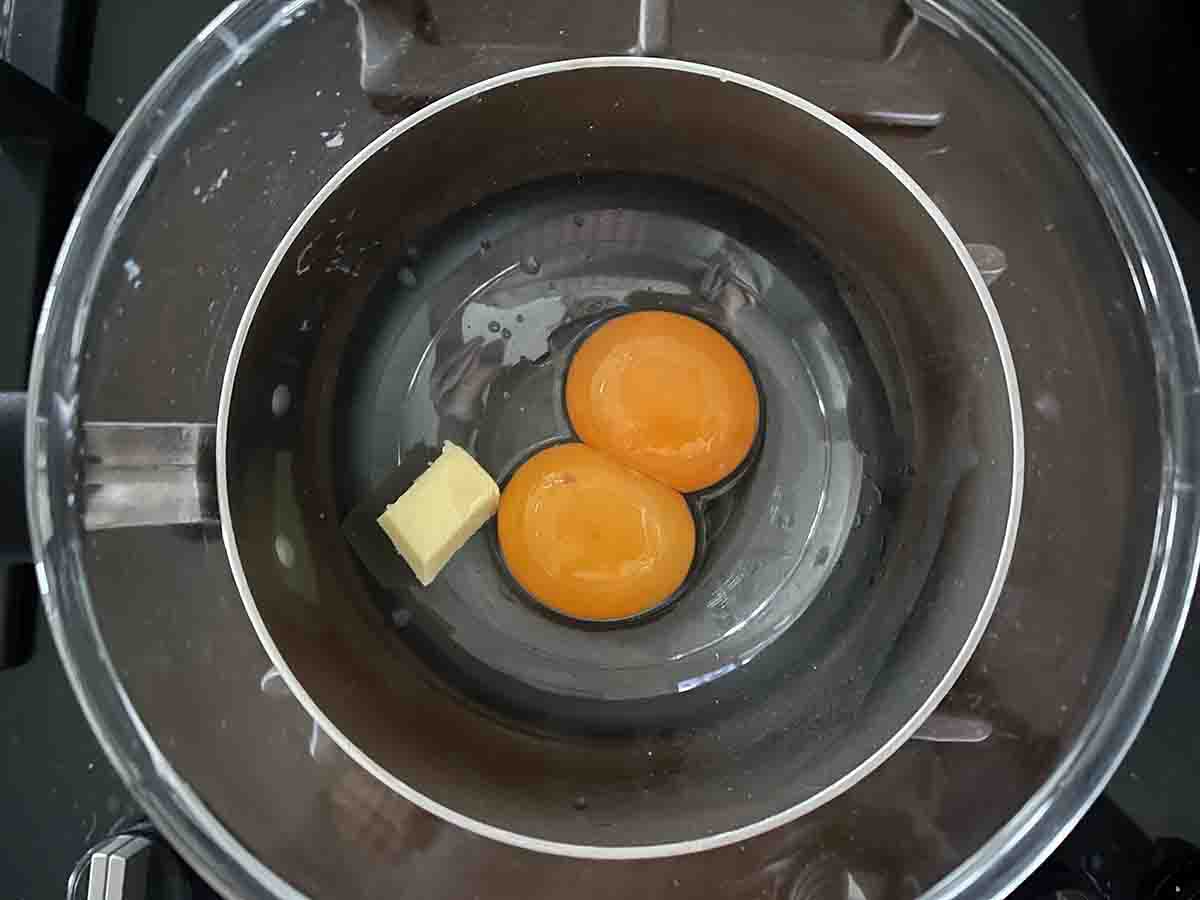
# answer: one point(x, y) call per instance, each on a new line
point(866, 766)
point(1048, 815)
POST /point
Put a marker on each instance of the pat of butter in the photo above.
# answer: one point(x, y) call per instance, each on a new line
point(447, 504)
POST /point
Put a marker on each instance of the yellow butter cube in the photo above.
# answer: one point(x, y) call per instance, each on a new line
point(447, 504)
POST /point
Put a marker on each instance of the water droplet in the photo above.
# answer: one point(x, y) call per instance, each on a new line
point(506, 334)
point(401, 616)
point(493, 327)
point(578, 220)
point(485, 245)
point(520, 317)
point(858, 520)
point(412, 251)
point(580, 803)
point(281, 399)
point(120, 310)
point(408, 277)
point(530, 265)
point(71, 499)
point(822, 556)
point(787, 521)
point(284, 551)
point(305, 325)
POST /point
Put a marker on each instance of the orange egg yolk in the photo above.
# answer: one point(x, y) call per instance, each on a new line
point(666, 395)
point(592, 539)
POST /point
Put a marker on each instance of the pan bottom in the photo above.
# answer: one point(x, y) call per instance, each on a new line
point(467, 338)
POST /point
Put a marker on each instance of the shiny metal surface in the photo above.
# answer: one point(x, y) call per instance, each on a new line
point(148, 473)
point(1103, 344)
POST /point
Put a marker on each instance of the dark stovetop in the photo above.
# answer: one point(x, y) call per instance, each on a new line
point(59, 795)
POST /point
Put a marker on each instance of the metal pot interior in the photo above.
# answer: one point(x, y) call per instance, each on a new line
point(435, 289)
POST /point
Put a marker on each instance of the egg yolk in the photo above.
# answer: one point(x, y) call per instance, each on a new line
point(666, 395)
point(592, 539)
